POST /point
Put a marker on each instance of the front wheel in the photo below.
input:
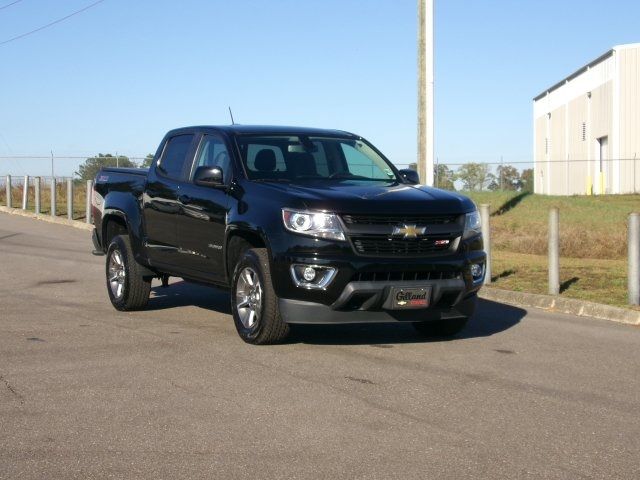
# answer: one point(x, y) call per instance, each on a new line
point(128, 289)
point(254, 303)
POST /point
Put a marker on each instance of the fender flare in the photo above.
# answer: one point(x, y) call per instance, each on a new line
point(234, 230)
point(106, 216)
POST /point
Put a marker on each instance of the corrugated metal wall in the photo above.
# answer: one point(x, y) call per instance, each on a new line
point(593, 104)
point(629, 119)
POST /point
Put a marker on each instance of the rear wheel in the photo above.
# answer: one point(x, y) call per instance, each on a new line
point(254, 303)
point(128, 289)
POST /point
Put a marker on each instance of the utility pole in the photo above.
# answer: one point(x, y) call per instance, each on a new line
point(425, 91)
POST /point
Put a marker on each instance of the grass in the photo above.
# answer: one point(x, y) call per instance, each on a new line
point(79, 196)
point(593, 243)
point(590, 227)
point(595, 280)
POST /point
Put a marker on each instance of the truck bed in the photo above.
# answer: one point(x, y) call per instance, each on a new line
point(130, 171)
point(125, 185)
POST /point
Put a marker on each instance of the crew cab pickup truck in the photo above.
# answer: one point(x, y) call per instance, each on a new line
point(301, 225)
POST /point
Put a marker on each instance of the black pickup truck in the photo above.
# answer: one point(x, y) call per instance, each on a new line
point(301, 225)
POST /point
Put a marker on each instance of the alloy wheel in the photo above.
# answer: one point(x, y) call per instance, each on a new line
point(248, 297)
point(117, 274)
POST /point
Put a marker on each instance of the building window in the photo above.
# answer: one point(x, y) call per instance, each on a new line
point(583, 131)
point(547, 145)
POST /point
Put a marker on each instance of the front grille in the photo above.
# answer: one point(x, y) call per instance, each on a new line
point(399, 219)
point(388, 246)
point(405, 276)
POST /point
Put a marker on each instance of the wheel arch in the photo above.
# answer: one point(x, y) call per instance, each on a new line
point(254, 238)
point(114, 222)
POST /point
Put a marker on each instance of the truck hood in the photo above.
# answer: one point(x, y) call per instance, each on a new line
point(346, 197)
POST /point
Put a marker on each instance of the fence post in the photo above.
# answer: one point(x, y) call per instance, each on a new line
point(36, 194)
point(53, 196)
point(70, 198)
point(87, 214)
point(554, 251)
point(25, 192)
point(485, 215)
point(8, 186)
point(633, 282)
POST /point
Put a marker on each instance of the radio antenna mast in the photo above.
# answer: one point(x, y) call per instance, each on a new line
point(231, 114)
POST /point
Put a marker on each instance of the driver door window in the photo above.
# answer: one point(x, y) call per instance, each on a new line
point(213, 153)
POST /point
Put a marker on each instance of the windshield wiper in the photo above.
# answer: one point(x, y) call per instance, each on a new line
point(350, 176)
point(280, 180)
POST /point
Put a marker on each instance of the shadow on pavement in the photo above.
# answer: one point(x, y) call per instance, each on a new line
point(490, 318)
point(181, 294)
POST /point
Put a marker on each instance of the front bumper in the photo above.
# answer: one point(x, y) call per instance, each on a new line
point(301, 312)
point(361, 286)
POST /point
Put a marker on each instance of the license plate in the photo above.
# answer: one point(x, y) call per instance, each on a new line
point(410, 297)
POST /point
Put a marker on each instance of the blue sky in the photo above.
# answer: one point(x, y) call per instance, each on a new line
point(117, 76)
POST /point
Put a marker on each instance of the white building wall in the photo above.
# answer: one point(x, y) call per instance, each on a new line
point(598, 105)
point(629, 142)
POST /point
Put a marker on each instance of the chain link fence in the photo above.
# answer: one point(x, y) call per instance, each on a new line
point(60, 166)
point(481, 175)
point(552, 176)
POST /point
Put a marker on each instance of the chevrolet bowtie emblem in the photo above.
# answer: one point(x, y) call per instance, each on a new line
point(409, 231)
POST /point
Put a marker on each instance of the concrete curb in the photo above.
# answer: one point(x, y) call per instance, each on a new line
point(48, 218)
point(571, 306)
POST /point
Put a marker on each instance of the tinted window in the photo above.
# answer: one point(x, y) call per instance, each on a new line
point(360, 164)
point(301, 158)
point(175, 155)
point(253, 149)
point(213, 153)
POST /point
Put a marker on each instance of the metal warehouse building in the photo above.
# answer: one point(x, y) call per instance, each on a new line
point(587, 128)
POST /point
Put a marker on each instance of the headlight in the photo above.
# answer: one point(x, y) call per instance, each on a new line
point(314, 224)
point(472, 224)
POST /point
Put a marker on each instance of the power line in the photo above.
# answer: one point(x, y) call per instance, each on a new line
point(52, 23)
point(9, 4)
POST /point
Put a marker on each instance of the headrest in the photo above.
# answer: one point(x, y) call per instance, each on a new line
point(303, 163)
point(265, 160)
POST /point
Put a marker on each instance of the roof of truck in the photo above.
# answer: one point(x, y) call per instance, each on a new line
point(237, 129)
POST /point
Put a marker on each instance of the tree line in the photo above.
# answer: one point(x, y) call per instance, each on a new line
point(475, 177)
point(89, 169)
point(472, 176)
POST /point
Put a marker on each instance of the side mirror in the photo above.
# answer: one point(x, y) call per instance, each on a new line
point(208, 177)
point(410, 176)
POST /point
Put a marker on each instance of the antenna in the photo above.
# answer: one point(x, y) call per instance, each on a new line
point(231, 113)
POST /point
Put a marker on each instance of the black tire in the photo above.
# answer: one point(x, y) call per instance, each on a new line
point(134, 294)
point(266, 326)
point(441, 328)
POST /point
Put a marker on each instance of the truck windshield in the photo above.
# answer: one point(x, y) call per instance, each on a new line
point(300, 157)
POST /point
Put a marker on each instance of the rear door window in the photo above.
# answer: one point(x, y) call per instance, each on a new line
point(174, 159)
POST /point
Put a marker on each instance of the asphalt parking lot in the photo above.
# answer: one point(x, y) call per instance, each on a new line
point(172, 392)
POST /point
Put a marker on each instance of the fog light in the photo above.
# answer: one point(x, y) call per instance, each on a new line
point(476, 271)
point(309, 274)
point(312, 276)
